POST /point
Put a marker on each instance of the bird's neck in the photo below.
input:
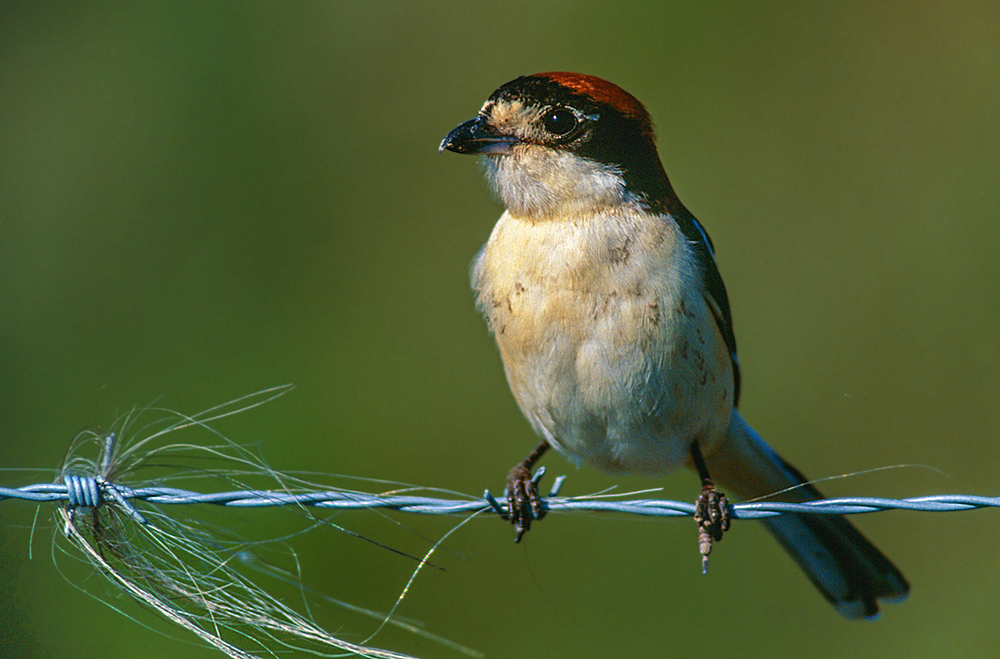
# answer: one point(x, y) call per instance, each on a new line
point(543, 184)
point(539, 184)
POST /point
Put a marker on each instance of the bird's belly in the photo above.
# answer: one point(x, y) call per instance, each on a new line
point(609, 384)
point(622, 368)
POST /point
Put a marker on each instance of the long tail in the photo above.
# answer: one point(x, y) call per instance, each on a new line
point(848, 569)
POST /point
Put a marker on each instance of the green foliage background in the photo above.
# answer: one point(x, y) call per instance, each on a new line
point(201, 199)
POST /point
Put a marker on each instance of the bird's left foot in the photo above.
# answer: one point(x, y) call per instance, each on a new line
point(712, 513)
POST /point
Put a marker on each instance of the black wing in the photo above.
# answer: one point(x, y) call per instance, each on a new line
point(715, 289)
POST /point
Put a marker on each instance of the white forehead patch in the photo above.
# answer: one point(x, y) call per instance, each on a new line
point(516, 118)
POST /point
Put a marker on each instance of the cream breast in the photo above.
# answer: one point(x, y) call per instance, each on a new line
point(599, 340)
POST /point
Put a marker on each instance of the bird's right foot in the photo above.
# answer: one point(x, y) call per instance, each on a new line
point(523, 502)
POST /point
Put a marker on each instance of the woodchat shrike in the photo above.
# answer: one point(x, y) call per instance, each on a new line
point(613, 323)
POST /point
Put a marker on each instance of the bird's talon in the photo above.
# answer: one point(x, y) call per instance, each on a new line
point(712, 513)
point(523, 502)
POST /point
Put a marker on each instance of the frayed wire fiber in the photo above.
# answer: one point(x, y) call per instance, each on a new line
point(187, 571)
point(190, 572)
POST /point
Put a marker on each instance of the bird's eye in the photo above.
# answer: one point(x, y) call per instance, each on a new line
point(559, 121)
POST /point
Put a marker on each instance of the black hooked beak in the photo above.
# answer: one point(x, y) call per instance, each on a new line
point(478, 137)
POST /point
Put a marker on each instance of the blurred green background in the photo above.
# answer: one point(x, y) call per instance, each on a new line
point(202, 199)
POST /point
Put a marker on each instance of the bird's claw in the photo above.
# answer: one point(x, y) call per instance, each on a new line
point(712, 513)
point(523, 502)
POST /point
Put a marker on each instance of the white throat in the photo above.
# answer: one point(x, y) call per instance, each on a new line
point(538, 182)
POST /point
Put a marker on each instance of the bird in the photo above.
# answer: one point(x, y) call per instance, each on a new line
point(602, 292)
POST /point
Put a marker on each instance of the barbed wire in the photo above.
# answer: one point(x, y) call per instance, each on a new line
point(81, 491)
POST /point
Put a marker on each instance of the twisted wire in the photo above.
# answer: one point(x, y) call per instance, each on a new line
point(87, 491)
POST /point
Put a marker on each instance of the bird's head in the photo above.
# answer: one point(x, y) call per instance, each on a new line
point(566, 145)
